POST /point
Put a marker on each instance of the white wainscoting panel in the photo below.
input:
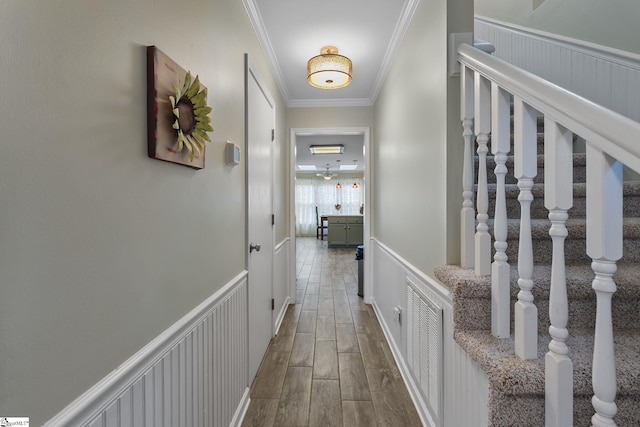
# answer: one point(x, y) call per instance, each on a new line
point(194, 374)
point(467, 395)
point(606, 76)
point(281, 279)
point(450, 391)
point(425, 345)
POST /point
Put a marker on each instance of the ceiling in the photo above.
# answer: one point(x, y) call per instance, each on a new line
point(366, 31)
point(353, 146)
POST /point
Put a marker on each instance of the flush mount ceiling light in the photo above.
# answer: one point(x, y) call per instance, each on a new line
point(327, 149)
point(329, 70)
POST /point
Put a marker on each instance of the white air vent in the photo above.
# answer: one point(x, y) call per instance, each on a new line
point(424, 345)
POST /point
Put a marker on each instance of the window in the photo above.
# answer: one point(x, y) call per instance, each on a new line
point(312, 191)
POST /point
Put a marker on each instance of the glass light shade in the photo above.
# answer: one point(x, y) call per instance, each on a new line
point(327, 149)
point(329, 70)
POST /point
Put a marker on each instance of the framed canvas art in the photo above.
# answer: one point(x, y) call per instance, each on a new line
point(177, 112)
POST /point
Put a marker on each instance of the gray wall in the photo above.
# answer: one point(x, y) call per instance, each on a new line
point(409, 144)
point(102, 248)
point(608, 23)
point(329, 117)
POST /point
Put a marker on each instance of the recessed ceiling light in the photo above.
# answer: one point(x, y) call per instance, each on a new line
point(348, 167)
point(327, 149)
point(307, 167)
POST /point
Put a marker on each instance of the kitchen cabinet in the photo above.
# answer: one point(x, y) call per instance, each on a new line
point(345, 230)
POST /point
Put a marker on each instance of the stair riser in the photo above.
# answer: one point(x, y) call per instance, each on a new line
point(510, 411)
point(579, 172)
point(574, 248)
point(539, 144)
point(630, 207)
point(582, 312)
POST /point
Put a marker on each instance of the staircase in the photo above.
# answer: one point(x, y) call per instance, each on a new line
point(517, 386)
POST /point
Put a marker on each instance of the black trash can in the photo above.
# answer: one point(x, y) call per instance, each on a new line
point(360, 259)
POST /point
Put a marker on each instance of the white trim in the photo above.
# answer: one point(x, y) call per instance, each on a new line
point(265, 44)
point(281, 313)
point(628, 59)
point(394, 45)
point(292, 213)
point(611, 131)
point(103, 393)
point(241, 411)
point(351, 102)
point(441, 291)
point(603, 75)
point(402, 25)
point(366, 233)
point(412, 388)
point(283, 245)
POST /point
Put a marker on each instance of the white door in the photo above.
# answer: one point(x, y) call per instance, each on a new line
point(260, 245)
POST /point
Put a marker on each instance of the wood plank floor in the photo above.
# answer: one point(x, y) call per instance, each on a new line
point(330, 364)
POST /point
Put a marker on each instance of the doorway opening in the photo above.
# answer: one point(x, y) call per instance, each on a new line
point(342, 186)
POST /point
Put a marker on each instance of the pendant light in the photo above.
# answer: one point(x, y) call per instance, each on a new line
point(329, 70)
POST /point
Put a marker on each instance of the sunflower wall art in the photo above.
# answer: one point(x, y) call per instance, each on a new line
point(177, 111)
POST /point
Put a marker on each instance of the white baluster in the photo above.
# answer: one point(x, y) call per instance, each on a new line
point(525, 168)
point(500, 271)
point(604, 246)
point(482, 104)
point(558, 199)
point(467, 214)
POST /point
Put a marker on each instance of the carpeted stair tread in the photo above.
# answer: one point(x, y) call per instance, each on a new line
point(472, 296)
point(466, 284)
point(516, 387)
point(513, 376)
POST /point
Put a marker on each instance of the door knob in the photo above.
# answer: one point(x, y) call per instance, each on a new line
point(252, 247)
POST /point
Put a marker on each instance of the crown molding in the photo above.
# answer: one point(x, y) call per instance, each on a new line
point(353, 102)
point(402, 26)
point(265, 44)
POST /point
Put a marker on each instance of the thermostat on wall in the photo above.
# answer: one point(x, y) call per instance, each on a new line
point(233, 154)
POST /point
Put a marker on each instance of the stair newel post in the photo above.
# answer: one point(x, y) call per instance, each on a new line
point(500, 271)
point(467, 214)
point(482, 107)
point(604, 246)
point(558, 199)
point(525, 169)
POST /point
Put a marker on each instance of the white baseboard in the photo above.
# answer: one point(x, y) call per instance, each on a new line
point(464, 395)
point(281, 313)
point(419, 403)
point(241, 411)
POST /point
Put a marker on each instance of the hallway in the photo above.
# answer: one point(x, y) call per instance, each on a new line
point(329, 365)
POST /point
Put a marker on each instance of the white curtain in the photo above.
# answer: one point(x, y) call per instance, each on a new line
point(316, 191)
